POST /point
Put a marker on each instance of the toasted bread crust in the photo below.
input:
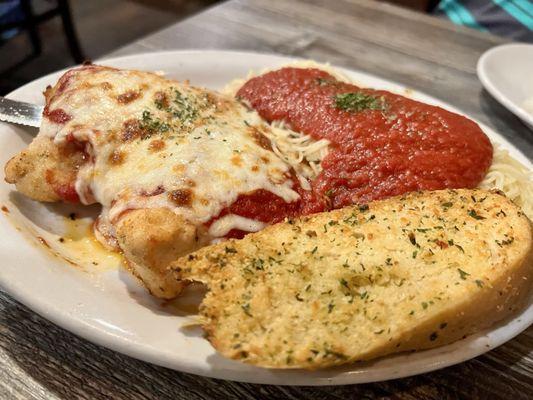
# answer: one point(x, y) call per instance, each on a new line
point(407, 273)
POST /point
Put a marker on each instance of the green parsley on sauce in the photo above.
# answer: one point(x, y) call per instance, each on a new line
point(358, 101)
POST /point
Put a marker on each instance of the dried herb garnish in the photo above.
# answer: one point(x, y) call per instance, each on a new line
point(358, 101)
point(475, 215)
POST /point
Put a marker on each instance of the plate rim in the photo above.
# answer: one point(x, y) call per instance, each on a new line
point(493, 88)
point(81, 328)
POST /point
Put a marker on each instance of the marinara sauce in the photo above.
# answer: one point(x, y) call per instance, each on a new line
point(381, 144)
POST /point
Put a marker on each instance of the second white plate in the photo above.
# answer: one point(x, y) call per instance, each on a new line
point(507, 73)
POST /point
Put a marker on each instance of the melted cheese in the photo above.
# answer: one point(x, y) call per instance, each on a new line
point(222, 226)
point(153, 142)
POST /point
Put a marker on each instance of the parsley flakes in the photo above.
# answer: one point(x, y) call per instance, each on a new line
point(358, 101)
point(462, 273)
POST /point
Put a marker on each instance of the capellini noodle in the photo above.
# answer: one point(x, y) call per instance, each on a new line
point(512, 178)
point(301, 152)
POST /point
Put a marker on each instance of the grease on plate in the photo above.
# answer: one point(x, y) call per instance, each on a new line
point(79, 245)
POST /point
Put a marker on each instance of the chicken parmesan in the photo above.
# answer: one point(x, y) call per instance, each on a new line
point(173, 166)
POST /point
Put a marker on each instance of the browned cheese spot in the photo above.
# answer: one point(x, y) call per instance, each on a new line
point(179, 168)
point(117, 157)
point(181, 197)
point(131, 129)
point(156, 145)
point(128, 97)
point(236, 160)
point(161, 100)
point(259, 138)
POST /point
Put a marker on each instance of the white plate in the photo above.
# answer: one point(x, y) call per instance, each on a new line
point(507, 73)
point(106, 306)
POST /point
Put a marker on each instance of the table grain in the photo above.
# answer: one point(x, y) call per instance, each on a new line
point(39, 360)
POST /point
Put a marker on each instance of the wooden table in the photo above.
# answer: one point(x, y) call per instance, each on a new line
point(41, 361)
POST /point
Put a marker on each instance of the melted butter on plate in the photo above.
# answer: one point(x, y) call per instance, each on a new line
point(80, 246)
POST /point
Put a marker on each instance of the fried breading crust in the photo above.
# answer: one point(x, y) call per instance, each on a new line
point(151, 239)
point(44, 169)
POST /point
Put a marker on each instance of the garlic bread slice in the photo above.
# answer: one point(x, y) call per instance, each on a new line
point(407, 273)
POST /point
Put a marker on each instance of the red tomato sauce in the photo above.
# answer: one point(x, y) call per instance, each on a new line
point(58, 116)
point(403, 146)
point(264, 206)
point(65, 190)
point(260, 205)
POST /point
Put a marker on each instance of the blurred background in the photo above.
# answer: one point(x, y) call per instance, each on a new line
point(41, 36)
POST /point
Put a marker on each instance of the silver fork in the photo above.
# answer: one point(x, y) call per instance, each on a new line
point(18, 112)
